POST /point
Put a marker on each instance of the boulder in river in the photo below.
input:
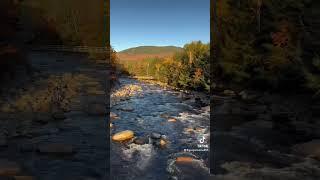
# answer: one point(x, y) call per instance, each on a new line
point(123, 135)
point(155, 135)
point(141, 141)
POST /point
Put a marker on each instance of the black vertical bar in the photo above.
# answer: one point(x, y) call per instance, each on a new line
point(106, 46)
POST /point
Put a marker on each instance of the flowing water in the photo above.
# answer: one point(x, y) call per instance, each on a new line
point(149, 111)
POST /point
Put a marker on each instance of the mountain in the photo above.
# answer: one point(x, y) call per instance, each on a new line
point(143, 52)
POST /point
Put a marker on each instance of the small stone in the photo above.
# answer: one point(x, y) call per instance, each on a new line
point(58, 149)
point(8, 168)
point(123, 135)
point(166, 116)
point(163, 142)
point(113, 116)
point(111, 125)
point(155, 136)
point(140, 141)
point(172, 120)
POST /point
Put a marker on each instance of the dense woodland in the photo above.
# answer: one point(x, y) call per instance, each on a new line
point(188, 68)
point(268, 44)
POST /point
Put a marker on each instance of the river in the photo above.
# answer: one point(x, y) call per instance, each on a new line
point(170, 113)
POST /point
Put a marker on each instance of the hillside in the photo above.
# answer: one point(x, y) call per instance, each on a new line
point(143, 52)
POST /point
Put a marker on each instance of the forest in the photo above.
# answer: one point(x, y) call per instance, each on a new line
point(267, 44)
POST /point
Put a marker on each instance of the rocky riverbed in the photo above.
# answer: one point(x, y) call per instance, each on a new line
point(53, 125)
point(152, 126)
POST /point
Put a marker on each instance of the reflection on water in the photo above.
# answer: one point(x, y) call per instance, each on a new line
point(177, 122)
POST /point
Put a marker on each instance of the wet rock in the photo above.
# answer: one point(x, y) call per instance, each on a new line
point(141, 141)
point(9, 168)
point(165, 115)
point(199, 102)
point(56, 149)
point(309, 149)
point(97, 109)
point(187, 166)
point(113, 116)
point(172, 120)
point(123, 135)
point(229, 92)
point(155, 136)
point(184, 159)
point(163, 143)
point(127, 109)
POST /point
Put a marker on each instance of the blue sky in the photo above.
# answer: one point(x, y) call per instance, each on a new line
point(158, 22)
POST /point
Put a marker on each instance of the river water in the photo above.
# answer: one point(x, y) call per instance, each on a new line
point(149, 111)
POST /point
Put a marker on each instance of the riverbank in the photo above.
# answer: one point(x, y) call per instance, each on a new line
point(53, 125)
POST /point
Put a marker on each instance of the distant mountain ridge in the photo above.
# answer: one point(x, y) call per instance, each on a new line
point(143, 52)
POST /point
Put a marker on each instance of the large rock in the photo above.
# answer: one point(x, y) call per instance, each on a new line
point(309, 149)
point(123, 135)
point(56, 149)
point(8, 168)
